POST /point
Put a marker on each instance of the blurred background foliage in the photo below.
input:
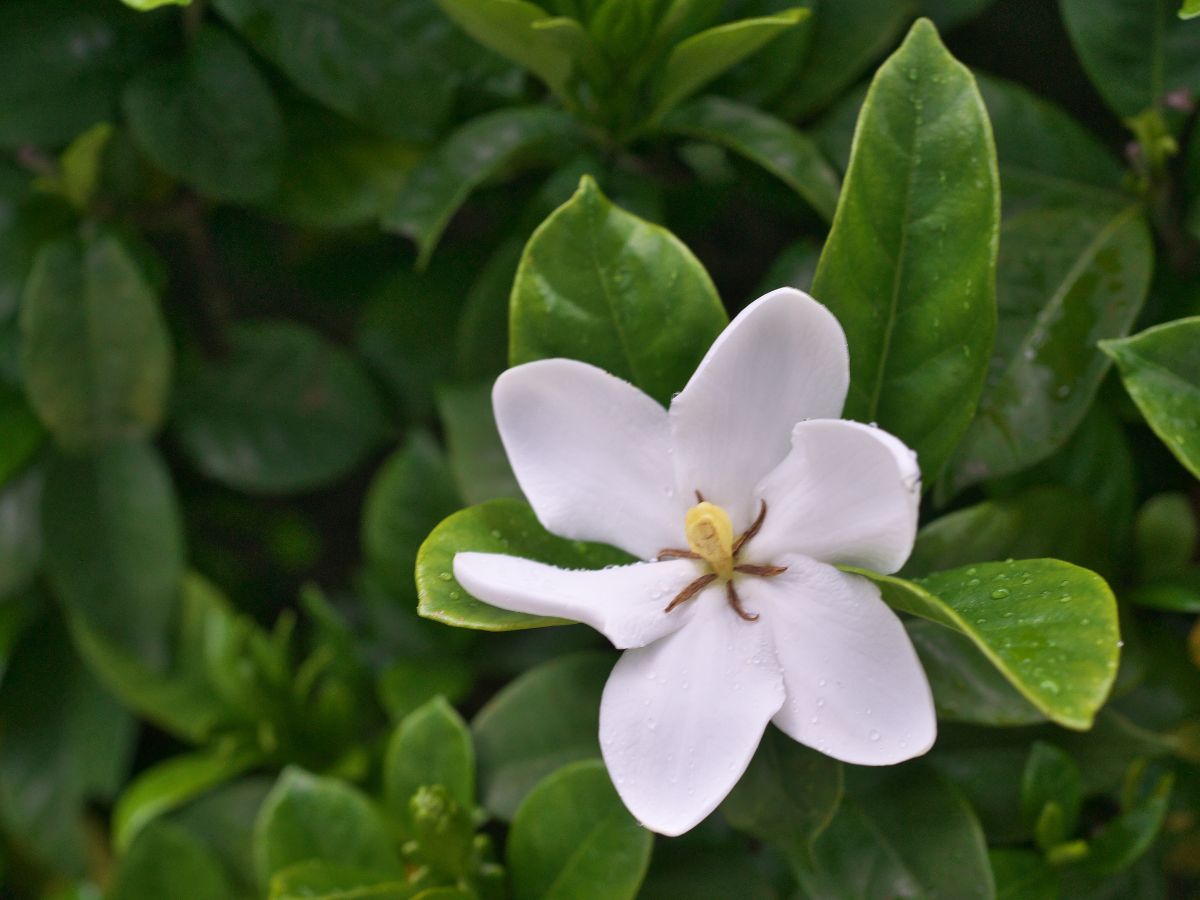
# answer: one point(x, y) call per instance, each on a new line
point(255, 265)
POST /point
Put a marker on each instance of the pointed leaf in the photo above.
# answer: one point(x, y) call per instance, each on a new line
point(431, 746)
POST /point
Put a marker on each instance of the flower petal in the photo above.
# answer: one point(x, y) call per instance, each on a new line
point(680, 719)
point(783, 359)
point(855, 689)
point(847, 494)
point(592, 455)
point(624, 603)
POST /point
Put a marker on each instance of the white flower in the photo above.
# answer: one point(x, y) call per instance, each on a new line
point(726, 627)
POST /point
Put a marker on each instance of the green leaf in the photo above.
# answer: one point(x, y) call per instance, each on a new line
point(698, 59)
point(948, 13)
point(600, 285)
point(147, 5)
point(483, 148)
point(1177, 593)
point(909, 265)
point(168, 863)
point(1051, 777)
point(431, 746)
point(909, 835)
point(966, 685)
point(787, 796)
point(66, 741)
point(331, 881)
point(114, 545)
point(78, 172)
point(1046, 157)
point(94, 347)
point(285, 411)
point(1134, 51)
point(1068, 278)
point(1190, 9)
point(20, 531)
point(498, 526)
point(209, 119)
point(573, 838)
point(477, 457)
point(394, 67)
point(1023, 875)
point(309, 818)
point(1123, 840)
point(1049, 627)
point(536, 724)
point(1165, 533)
point(1160, 368)
point(62, 65)
point(223, 820)
point(411, 492)
point(172, 783)
point(785, 152)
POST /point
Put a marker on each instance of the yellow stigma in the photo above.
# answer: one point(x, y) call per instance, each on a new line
point(710, 535)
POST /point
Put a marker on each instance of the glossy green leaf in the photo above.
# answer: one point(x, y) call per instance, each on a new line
point(168, 863)
point(787, 796)
point(478, 151)
point(307, 817)
point(1068, 278)
point(172, 783)
point(782, 150)
point(20, 531)
point(1045, 155)
point(537, 723)
point(331, 881)
point(909, 265)
point(966, 685)
point(94, 346)
point(114, 545)
point(698, 59)
point(572, 839)
point(1161, 370)
point(1051, 777)
point(477, 458)
point(62, 65)
point(1134, 51)
point(412, 491)
point(66, 741)
point(431, 746)
point(394, 67)
point(209, 119)
point(1023, 875)
point(498, 526)
point(285, 411)
point(911, 834)
point(1049, 627)
point(603, 286)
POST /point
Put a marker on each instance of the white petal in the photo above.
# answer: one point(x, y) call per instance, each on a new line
point(680, 719)
point(592, 455)
point(625, 603)
point(855, 689)
point(847, 494)
point(783, 359)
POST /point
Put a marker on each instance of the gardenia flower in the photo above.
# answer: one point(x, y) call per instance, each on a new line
point(742, 499)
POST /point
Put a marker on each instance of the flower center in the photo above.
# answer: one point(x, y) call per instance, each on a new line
point(710, 537)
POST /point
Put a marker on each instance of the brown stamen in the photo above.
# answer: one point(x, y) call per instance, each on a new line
point(736, 602)
point(752, 530)
point(692, 590)
point(699, 497)
point(760, 571)
point(676, 554)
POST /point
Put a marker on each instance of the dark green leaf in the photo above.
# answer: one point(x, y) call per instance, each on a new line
point(603, 286)
point(1023, 875)
point(539, 722)
point(1049, 627)
point(775, 145)
point(94, 347)
point(1165, 533)
point(498, 526)
point(1161, 370)
point(432, 746)
point(477, 456)
point(412, 492)
point(285, 411)
point(1068, 277)
point(478, 151)
point(223, 820)
point(1051, 777)
point(909, 265)
point(787, 796)
point(309, 818)
point(948, 13)
point(333, 881)
point(168, 863)
point(1135, 51)
point(114, 545)
point(209, 119)
point(572, 839)
point(909, 835)
point(1177, 593)
point(20, 531)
